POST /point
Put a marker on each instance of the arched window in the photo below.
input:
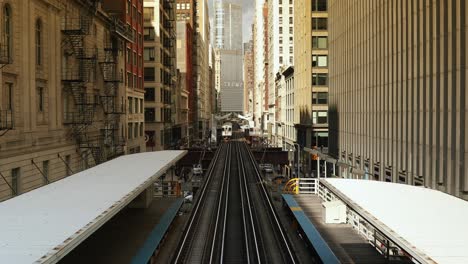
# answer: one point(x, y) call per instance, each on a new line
point(38, 42)
point(7, 29)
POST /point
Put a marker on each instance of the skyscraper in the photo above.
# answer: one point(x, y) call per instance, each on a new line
point(398, 91)
point(228, 41)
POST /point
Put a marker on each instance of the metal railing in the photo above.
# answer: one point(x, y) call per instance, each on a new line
point(302, 186)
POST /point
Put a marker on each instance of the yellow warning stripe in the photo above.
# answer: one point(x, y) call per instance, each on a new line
point(296, 209)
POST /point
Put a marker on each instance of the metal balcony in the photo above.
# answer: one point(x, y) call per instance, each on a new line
point(76, 26)
point(122, 29)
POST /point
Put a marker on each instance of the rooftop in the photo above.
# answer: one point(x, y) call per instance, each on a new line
point(47, 223)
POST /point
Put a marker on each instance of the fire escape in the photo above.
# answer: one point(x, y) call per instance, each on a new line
point(169, 77)
point(78, 71)
point(113, 108)
point(6, 116)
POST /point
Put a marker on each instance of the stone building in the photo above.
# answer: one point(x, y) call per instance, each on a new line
point(398, 91)
point(62, 99)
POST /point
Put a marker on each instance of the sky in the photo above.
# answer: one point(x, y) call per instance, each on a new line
point(248, 11)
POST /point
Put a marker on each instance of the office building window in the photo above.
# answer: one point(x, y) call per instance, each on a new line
point(319, 79)
point(150, 94)
point(8, 29)
point(148, 14)
point(319, 42)
point(319, 23)
point(319, 98)
point(319, 5)
point(290, 20)
point(38, 42)
point(150, 115)
point(130, 130)
point(281, 30)
point(40, 99)
point(319, 60)
point(15, 180)
point(149, 74)
point(130, 105)
point(280, 10)
point(135, 130)
point(148, 33)
point(45, 171)
point(319, 117)
point(148, 54)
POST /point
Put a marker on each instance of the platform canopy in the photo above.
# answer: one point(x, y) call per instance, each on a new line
point(43, 225)
point(429, 223)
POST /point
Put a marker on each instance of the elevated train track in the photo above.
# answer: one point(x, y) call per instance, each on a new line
point(233, 219)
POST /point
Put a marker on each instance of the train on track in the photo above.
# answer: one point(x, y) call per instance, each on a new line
point(227, 131)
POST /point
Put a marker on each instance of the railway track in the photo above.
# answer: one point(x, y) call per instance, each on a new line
point(233, 219)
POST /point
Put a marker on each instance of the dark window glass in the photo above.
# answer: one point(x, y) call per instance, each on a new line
point(149, 74)
point(149, 94)
point(319, 79)
point(319, 23)
point(150, 115)
point(319, 5)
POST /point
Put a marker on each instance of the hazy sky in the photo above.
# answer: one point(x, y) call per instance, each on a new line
point(248, 10)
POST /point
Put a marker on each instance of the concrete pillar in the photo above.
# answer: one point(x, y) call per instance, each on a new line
point(143, 200)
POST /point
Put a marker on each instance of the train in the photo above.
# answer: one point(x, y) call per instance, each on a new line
point(227, 131)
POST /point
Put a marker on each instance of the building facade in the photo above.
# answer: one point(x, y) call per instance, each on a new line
point(130, 12)
point(160, 74)
point(280, 54)
point(287, 109)
point(249, 78)
point(398, 91)
point(62, 101)
point(311, 73)
point(228, 25)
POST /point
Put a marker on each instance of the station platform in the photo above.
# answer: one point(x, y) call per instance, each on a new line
point(333, 243)
point(46, 224)
point(130, 237)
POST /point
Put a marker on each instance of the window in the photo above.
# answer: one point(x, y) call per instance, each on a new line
point(319, 60)
point(129, 7)
point(319, 98)
point(319, 79)
point(150, 115)
point(281, 50)
point(15, 179)
point(68, 164)
point(38, 42)
point(149, 94)
point(290, 20)
point(281, 59)
point(291, 30)
point(9, 96)
point(290, 10)
point(129, 56)
point(319, 117)
point(135, 130)
point(40, 99)
point(130, 105)
point(141, 129)
point(319, 42)
point(134, 58)
point(149, 74)
point(130, 130)
point(148, 33)
point(281, 40)
point(280, 10)
point(148, 54)
point(319, 23)
point(281, 20)
point(319, 5)
point(45, 170)
point(7, 30)
point(141, 106)
point(129, 79)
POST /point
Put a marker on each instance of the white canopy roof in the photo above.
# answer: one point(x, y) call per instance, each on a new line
point(430, 223)
point(45, 224)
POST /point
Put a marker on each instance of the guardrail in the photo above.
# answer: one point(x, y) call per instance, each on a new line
point(302, 186)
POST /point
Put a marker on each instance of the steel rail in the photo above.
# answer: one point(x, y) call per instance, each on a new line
point(244, 189)
point(272, 210)
point(228, 169)
point(226, 206)
point(198, 202)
